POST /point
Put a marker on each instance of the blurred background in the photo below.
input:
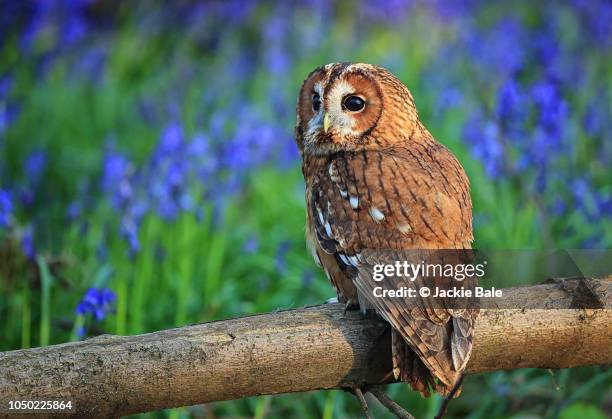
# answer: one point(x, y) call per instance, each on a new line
point(149, 176)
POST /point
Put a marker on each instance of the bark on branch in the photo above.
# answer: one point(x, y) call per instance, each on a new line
point(291, 351)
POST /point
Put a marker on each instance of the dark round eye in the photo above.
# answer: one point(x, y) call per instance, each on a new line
point(316, 102)
point(353, 103)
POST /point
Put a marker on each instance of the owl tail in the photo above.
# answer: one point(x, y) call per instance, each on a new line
point(408, 367)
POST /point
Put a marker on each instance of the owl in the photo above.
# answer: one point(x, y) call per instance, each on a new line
point(378, 182)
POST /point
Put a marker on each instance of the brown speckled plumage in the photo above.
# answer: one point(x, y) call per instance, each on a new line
point(378, 180)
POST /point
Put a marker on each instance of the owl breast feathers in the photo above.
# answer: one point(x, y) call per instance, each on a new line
point(377, 182)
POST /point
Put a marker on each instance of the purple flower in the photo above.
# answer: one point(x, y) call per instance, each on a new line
point(75, 28)
point(75, 208)
point(500, 49)
point(116, 168)
point(559, 207)
point(450, 97)
point(34, 165)
point(80, 332)
point(308, 277)
point(27, 243)
point(512, 107)
point(251, 245)
point(391, 11)
point(281, 253)
point(552, 108)
point(596, 15)
point(91, 63)
point(8, 115)
point(96, 301)
point(129, 232)
point(6, 208)
point(595, 118)
point(171, 140)
point(484, 141)
point(203, 162)
point(6, 84)
point(102, 253)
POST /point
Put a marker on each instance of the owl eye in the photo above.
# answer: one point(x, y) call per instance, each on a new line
point(316, 102)
point(353, 103)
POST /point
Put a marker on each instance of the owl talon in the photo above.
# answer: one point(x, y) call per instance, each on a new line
point(350, 305)
point(389, 403)
point(363, 403)
point(449, 397)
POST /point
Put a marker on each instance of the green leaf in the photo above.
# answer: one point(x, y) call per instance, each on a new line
point(582, 411)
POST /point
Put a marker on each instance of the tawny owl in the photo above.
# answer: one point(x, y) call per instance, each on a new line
point(376, 179)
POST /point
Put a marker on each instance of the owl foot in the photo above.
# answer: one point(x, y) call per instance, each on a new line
point(332, 300)
point(363, 403)
point(389, 403)
point(449, 397)
point(350, 305)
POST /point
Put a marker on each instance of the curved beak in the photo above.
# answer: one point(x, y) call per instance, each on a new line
point(326, 123)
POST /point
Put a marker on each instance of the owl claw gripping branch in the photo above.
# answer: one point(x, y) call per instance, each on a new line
point(376, 179)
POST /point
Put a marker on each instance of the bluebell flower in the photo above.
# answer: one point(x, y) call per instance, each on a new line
point(596, 15)
point(281, 253)
point(308, 277)
point(449, 98)
point(8, 114)
point(274, 35)
point(289, 154)
point(26, 196)
point(34, 165)
point(595, 118)
point(102, 252)
point(604, 206)
point(34, 25)
point(251, 245)
point(231, 12)
point(6, 208)
point(512, 109)
point(116, 167)
point(167, 209)
point(552, 108)
point(393, 11)
point(171, 140)
point(559, 207)
point(27, 243)
point(80, 332)
point(278, 60)
point(98, 302)
point(483, 138)
point(546, 46)
point(199, 146)
point(74, 29)
point(454, 9)
point(499, 50)
point(129, 232)
point(594, 241)
point(204, 161)
point(74, 210)
point(91, 63)
point(6, 84)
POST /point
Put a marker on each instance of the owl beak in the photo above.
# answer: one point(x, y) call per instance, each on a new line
point(326, 123)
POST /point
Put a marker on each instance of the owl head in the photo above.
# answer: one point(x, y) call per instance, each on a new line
point(349, 107)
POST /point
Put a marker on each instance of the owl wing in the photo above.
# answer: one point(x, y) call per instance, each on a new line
point(399, 199)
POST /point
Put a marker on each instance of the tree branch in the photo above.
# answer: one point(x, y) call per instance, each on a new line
point(289, 351)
